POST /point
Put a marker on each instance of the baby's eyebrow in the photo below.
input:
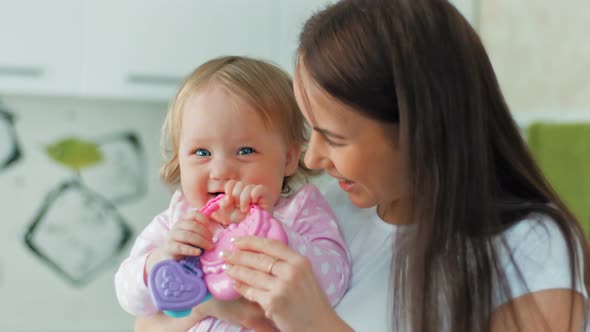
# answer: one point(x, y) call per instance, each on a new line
point(326, 132)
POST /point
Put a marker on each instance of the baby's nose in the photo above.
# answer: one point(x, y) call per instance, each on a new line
point(223, 170)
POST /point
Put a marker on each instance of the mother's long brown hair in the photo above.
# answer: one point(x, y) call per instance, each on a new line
point(419, 64)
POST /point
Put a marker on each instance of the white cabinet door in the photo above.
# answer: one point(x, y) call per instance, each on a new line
point(293, 15)
point(142, 49)
point(40, 51)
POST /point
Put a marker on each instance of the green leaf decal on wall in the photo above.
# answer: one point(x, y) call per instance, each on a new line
point(74, 153)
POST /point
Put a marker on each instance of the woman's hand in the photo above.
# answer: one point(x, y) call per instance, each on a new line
point(239, 312)
point(186, 238)
point(282, 282)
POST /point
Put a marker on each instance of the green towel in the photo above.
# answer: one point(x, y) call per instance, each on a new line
point(562, 151)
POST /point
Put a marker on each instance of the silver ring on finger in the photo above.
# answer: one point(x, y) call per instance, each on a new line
point(269, 269)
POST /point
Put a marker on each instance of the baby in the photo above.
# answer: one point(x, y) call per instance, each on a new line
point(234, 128)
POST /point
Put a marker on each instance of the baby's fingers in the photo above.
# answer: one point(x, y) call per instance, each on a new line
point(237, 192)
point(196, 226)
point(261, 196)
point(228, 200)
point(192, 234)
point(197, 217)
point(246, 198)
point(178, 249)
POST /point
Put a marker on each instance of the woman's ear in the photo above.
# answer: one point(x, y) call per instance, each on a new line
point(292, 161)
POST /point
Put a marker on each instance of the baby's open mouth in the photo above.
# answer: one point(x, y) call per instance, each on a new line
point(215, 194)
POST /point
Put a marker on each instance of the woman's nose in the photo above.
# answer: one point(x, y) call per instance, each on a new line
point(313, 156)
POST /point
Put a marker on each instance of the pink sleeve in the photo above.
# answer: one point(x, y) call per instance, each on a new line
point(132, 291)
point(312, 230)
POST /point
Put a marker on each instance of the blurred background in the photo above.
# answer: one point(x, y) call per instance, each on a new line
point(84, 87)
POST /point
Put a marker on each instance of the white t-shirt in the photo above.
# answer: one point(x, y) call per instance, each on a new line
point(539, 249)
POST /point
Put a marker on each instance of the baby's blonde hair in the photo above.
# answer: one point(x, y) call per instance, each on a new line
point(264, 86)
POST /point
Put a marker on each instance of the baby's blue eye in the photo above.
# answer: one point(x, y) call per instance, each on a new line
point(245, 151)
point(202, 153)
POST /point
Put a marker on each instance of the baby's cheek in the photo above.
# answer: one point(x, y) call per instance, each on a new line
point(195, 201)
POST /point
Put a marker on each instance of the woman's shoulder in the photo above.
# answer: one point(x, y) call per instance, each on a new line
point(535, 226)
point(535, 235)
point(536, 251)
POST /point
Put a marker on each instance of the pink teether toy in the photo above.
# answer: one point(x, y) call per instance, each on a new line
point(257, 223)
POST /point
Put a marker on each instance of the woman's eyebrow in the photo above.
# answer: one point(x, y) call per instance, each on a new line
point(328, 133)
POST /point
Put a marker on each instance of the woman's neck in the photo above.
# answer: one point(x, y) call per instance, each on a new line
point(392, 213)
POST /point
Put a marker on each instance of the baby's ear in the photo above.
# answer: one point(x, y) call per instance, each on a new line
point(292, 161)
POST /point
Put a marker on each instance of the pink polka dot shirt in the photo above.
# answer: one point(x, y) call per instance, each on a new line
point(311, 228)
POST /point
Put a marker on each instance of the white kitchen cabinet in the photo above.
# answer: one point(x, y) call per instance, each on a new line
point(142, 49)
point(136, 49)
point(292, 16)
point(41, 46)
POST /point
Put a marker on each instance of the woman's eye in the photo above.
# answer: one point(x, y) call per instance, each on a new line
point(245, 151)
point(202, 153)
point(332, 143)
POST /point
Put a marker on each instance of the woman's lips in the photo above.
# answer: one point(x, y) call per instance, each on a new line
point(346, 185)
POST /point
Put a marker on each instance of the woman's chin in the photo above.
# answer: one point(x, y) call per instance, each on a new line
point(361, 201)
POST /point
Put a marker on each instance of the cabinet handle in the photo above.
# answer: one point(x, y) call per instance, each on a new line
point(145, 79)
point(31, 72)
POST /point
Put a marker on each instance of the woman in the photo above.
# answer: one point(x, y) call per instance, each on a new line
point(461, 231)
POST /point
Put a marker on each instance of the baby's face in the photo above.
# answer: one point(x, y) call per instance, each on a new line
point(222, 138)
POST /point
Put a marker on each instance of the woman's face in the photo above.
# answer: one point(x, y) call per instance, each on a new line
point(357, 151)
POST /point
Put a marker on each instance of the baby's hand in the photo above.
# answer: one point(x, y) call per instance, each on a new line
point(188, 237)
point(234, 207)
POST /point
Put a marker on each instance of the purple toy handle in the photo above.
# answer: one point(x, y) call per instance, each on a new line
point(178, 286)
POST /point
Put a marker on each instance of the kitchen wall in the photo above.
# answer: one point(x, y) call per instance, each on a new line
point(540, 52)
point(34, 294)
point(542, 60)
